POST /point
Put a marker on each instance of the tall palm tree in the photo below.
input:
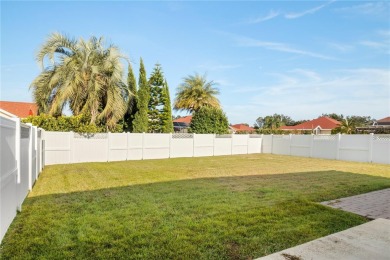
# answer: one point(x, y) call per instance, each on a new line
point(84, 75)
point(195, 92)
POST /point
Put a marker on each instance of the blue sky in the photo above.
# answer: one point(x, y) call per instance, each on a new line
point(298, 58)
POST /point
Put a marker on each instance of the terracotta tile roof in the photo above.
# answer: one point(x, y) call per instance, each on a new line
point(323, 122)
point(185, 119)
point(20, 109)
point(384, 120)
point(242, 127)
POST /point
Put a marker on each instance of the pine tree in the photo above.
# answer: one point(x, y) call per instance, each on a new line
point(166, 116)
point(132, 104)
point(156, 82)
point(140, 122)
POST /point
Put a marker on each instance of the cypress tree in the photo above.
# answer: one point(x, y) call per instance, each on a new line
point(140, 122)
point(155, 106)
point(132, 104)
point(166, 116)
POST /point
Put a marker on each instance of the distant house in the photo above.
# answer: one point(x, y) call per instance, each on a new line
point(381, 126)
point(181, 125)
point(19, 109)
point(383, 122)
point(242, 128)
point(321, 125)
point(185, 119)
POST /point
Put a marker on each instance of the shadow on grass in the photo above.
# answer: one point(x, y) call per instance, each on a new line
point(212, 218)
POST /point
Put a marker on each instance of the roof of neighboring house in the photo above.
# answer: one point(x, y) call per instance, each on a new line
point(242, 127)
point(185, 119)
point(20, 109)
point(323, 122)
point(384, 120)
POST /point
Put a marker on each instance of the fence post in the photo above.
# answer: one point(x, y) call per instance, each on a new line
point(338, 140)
point(170, 145)
point(71, 146)
point(290, 139)
point(272, 143)
point(127, 146)
point(108, 146)
point(17, 148)
point(370, 147)
point(36, 151)
point(247, 144)
point(214, 144)
point(311, 145)
point(231, 145)
point(193, 144)
point(262, 143)
point(30, 156)
point(143, 145)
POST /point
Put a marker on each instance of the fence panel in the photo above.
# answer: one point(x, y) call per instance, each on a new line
point(156, 146)
point(182, 145)
point(301, 145)
point(354, 148)
point(267, 144)
point(381, 149)
point(254, 144)
point(135, 146)
point(8, 174)
point(281, 144)
point(203, 145)
point(223, 145)
point(325, 146)
point(117, 147)
point(90, 147)
point(240, 144)
point(58, 147)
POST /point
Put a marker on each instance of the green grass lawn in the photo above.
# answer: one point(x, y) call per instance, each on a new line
point(228, 207)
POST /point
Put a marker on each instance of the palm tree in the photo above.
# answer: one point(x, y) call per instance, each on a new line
point(84, 75)
point(346, 127)
point(194, 93)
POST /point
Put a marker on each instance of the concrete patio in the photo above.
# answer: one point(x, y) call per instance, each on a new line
point(368, 241)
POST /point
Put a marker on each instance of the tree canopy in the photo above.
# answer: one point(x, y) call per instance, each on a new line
point(140, 122)
point(196, 92)
point(84, 75)
point(209, 120)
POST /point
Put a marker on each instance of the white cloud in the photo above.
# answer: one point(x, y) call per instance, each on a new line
point(282, 47)
point(374, 44)
point(341, 47)
point(212, 66)
point(382, 43)
point(306, 12)
point(306, 94)
point(312, 75)
point(371, 9)
point(271, 14)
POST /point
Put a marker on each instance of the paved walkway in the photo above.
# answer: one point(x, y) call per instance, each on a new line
point(368, 241)
point(372, 205)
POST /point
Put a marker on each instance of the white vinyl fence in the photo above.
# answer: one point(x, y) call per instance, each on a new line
point(69, 147)
point(21, 162)
point(359, 148)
